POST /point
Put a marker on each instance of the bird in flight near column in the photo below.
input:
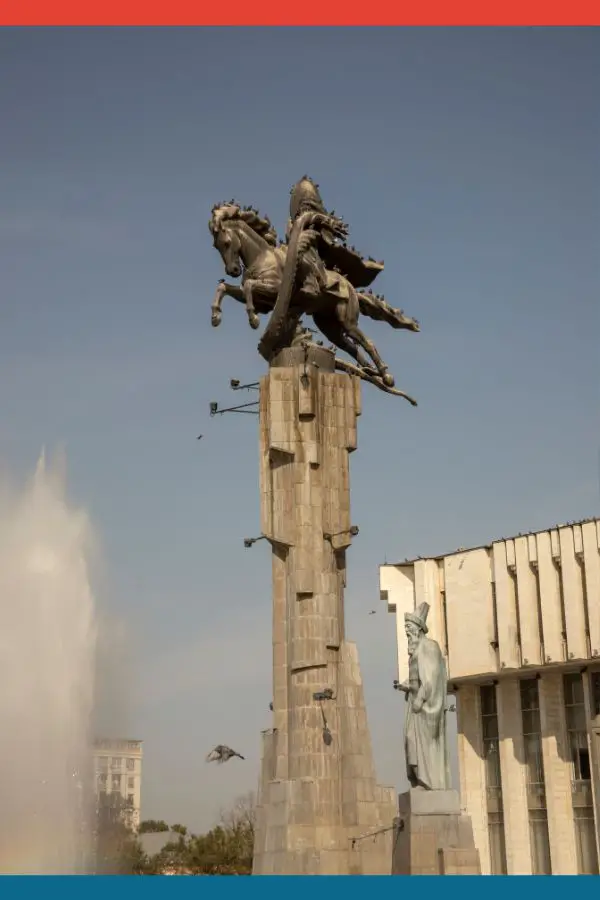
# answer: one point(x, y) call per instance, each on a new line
point(222, 753)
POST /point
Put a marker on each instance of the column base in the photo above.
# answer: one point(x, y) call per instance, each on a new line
point(327, 826)
point(432, 836)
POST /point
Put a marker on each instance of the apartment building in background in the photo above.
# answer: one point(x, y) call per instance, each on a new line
point(518, 622)
point(118, 777)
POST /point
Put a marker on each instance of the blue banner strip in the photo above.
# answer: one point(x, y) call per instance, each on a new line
point(266, 887)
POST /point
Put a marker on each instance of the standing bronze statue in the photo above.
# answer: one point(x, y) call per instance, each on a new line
point(313, 273)
point(425, 724)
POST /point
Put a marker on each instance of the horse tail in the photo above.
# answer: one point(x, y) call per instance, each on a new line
point(375, 307)
point(343, 365)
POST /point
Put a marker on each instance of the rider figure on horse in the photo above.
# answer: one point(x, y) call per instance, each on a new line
point(305, 198)
point(320, 251)
point(313, 273)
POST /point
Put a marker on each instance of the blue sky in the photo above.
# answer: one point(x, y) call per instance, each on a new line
point(466, 158)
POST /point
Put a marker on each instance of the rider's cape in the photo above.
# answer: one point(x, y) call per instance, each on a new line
point(361, 273)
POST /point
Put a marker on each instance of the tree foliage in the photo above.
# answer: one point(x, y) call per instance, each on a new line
point(224, 850)
point(152, 826)
point(117, 850)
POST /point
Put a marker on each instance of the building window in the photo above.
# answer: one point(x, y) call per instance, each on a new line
point(576, 727)
point(116, 762)
point(129, 799)
point(536, 789)
point(581, 784)
point(540, 844)
point(491, 755)
point(116, 782)
point(102, 781)
point(130, 783)
point(131, 764)
point(585, 833)
point(595, 692)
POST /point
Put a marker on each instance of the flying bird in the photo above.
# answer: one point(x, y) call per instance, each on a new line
point(222, 753)
point(199, 438)
point(373, 611)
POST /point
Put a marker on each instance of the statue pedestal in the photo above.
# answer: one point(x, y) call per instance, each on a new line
point(432, 836)
point(319, 797)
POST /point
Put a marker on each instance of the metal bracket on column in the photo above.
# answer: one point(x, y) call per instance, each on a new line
point(320, 696)
point(398, 825)
point(247, 408)
point(352, 531)
point(326, 694)
point(235, 385)
point(248, 542)
point(242, 408)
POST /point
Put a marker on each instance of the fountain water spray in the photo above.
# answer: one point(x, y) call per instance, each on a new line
point(47, 657)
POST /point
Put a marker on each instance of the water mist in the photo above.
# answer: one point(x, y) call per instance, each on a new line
point(47, 656)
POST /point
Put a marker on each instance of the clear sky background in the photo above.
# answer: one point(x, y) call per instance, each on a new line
point(468, 159)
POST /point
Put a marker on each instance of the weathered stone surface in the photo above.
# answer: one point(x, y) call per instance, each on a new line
point(455, 861)
point(432, 836)
point(429, 803)
point(318, 796)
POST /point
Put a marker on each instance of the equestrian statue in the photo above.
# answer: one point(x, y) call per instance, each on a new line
point(313, 272)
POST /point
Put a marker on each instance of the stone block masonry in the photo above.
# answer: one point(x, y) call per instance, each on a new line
point(318, 791)
point(433, 836)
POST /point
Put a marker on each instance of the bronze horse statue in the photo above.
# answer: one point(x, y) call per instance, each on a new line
point(249, 248)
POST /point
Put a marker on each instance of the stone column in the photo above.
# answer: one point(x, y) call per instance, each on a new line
point(557, 775)
point(471, 766)
point(593, 724)
point(319, 791)
point(514, 778)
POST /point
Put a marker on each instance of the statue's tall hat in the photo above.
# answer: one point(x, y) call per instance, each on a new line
point(419, 617)
point(305, 196)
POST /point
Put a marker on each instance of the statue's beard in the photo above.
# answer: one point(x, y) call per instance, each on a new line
point(412, 644)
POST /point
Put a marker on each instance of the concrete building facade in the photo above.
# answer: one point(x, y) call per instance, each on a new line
point(118, 776)
point(519, 624)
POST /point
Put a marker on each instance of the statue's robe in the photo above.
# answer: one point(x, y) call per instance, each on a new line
point(425, 730)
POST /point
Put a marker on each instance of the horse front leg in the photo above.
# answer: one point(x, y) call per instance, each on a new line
point(247, 290)
point(223, 289)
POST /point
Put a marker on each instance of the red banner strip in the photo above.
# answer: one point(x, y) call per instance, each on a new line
point(301, 12)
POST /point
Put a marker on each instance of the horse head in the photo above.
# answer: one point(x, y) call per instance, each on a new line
point(228, 224)
point(225, 238)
